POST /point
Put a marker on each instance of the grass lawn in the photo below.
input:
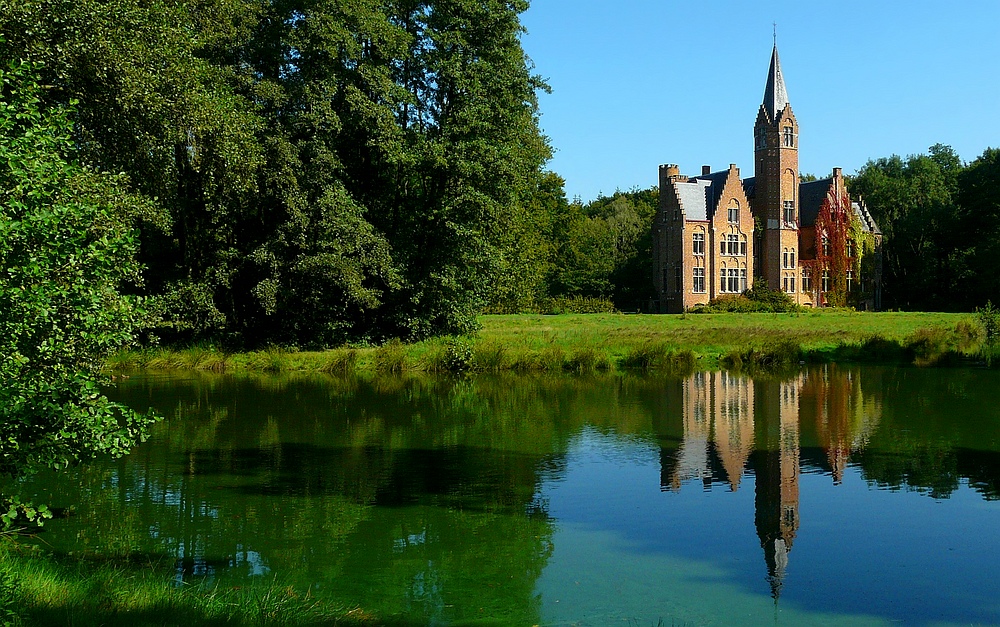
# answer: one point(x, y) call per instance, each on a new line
point(531, 342)
point(711, 335)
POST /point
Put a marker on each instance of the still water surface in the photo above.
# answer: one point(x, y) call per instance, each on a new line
point(834, 496)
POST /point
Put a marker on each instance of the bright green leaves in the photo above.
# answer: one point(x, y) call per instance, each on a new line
point(63, 256)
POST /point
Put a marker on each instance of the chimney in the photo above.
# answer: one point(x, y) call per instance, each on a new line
point(836, 173)
point(706, 170)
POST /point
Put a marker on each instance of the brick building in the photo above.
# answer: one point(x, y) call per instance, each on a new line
point(715, 233)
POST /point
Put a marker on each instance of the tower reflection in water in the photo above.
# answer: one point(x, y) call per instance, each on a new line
point(732, 425)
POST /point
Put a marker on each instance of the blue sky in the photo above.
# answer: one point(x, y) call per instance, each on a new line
point(637, 83)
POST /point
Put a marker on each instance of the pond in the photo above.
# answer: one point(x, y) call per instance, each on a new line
point(829, 496)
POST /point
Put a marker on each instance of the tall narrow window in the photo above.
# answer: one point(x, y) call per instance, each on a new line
point(732, 244)
point(806, 280)
point(791, 284)
point(734, 280)
point(734, 215)
point(743, 279)
point(784, 259)
point(761, 137)
point(743, 247)
point(698, 282)
point(678, 286)
point(699, 243)
point(722, 280)
point(850, 279)
point(784, 283)
point(788, 209)
point(791, 258)
point(789, 136)
point(850, 248)
point(722, 246)
point(826, 281)
point(826, 246)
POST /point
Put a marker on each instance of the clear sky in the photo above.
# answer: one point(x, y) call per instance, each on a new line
point(637, 83)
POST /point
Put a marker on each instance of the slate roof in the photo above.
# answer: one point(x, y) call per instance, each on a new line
point(693, 196)
point(811, 197)
point(750, 187)
point(717, 181)
point(775, 93)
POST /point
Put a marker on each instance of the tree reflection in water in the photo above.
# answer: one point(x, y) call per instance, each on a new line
point(425, 497)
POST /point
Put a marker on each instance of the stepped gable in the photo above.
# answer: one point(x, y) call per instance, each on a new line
point(693, 197)
point(717, 183)
point(868, 224)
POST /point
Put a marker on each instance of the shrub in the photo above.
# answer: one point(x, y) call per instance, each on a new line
point(758, 299)
point(930, 347)
point(768, 357)
point(342, 361)
point(390, 358)
point(577, 305)
point(489, 357)
point(588, 360)
point(457, 355)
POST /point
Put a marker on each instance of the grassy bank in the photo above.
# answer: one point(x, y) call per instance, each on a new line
point(602, 342)
point(38, 589)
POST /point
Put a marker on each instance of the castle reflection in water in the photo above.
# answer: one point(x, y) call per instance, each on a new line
point(734, 425)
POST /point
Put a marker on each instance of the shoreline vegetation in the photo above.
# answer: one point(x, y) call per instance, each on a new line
point(618, 342)
point(38, 588)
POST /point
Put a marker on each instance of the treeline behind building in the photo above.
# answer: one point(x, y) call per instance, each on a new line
point(941, 223)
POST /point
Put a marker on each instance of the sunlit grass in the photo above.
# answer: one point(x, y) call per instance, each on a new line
point(42, 590)
point(600, 342)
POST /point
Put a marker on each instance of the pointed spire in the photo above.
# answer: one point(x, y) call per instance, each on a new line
point(775, 94)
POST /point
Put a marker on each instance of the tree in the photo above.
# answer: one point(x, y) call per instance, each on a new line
point(979, 198)
point(913, 202)
point(67, 244)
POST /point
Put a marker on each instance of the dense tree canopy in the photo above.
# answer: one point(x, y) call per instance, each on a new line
point(326, 170)
point(940, 220)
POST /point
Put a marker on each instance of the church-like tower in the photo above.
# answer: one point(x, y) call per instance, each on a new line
point(776, 182)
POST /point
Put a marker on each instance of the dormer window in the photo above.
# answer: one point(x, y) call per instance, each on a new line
point(789, 137)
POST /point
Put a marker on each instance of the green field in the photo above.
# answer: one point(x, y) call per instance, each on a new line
point(571, 342)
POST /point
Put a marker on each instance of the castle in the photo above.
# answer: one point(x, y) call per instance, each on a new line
point(714, 234)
